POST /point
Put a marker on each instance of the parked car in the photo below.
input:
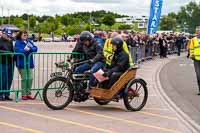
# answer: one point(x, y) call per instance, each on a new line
point(76, 37)
point(57, 39)
point(70, 39)
point(48, 39)
point(34, 37)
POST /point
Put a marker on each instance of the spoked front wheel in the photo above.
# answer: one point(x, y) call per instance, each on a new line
point(57, 93)
point(136, 95)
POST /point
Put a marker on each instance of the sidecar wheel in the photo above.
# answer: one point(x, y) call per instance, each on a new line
point(136, 95)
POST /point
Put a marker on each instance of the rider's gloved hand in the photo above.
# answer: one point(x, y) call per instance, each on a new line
point(91, 61)
point(105, 74)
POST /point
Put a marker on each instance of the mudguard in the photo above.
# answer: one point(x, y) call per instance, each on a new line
point(145, 83)
point(139, 79)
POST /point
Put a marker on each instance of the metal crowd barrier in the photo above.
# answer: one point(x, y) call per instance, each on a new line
point(44, 66)
point(146, 52)
point(8, 72)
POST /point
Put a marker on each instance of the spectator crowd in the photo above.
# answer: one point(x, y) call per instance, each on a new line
point(143, 47)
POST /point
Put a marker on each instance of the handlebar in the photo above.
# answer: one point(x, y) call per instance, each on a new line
point(63, 64)
point(81, 62)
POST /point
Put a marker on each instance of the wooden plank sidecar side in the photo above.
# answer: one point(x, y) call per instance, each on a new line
point(108, 94)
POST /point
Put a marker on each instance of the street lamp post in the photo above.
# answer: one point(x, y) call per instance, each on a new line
point(2, 14)
point(90, 22)
point(28, 21)
point(8, 16)
point(184, 26)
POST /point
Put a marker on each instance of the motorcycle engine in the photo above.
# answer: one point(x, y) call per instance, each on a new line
point(80, 94)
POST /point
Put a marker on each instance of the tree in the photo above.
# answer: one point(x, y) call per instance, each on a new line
point(24, 16)
point(168, 23)
point(124, 27)
point(189, 14)
point(19, 22)
point(32, 21)
point(65, 20)
point(74, 29)
point(108, 20)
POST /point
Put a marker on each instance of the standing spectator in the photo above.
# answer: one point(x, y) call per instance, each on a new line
point(39, 37)
point(130, 43)
point(99, 36)
point(25, 46)
point(149, 47)
point(179, 43)
point(163, 43)
point(135, 49)
point(52, 36)
point(194, 54)
point(140, 48)
point(64, 37)
point(6, 64)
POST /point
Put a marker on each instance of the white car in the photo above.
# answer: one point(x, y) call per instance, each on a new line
point(70, 39)
point(48, 39)
point(57, 39)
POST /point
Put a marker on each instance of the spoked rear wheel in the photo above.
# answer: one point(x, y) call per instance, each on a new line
point(57, 93)
point(136, 95)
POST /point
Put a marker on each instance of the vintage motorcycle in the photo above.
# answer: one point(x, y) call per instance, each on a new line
point(66, 86)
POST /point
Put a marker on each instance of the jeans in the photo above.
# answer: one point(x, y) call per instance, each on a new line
point(6, 77)
point(93, 68)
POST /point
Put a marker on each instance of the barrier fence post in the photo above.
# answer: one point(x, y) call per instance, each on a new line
point(44, 66)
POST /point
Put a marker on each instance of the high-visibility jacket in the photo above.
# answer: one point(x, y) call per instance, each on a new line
point(195, 48)
point(108, 52)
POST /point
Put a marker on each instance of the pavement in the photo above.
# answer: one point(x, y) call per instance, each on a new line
point(178, 80)
point(88, 117)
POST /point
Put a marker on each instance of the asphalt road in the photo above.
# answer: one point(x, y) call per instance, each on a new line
point(178, 79)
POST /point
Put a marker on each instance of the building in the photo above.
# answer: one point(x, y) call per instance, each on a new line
point(140, 21)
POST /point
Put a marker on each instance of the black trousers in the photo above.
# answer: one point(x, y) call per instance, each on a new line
point(108, 83)
point(179, 50)
point(197, 70)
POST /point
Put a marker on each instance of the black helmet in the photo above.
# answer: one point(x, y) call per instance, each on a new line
point(118, 42)
point(85, 35)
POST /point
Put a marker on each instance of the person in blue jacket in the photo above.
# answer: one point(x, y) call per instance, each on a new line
point(25, 64)
point(98, 36)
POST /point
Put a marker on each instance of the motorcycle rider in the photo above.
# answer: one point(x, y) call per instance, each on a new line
point(119, 64)
point(92, 52)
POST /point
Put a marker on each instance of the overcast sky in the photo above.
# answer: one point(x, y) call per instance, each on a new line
point(52, 7)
